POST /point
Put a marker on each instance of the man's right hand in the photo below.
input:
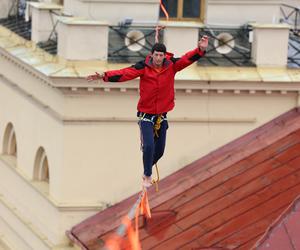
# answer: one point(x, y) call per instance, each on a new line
point(95, 76)
point(203, 43)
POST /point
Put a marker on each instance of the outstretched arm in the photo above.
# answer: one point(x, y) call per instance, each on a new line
point(120, 75)
point(191, 56)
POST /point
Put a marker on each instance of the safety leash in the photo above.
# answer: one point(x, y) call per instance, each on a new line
point(155, 181)
point(157, 125)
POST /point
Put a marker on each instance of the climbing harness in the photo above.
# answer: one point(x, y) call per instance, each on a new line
point(156, 120)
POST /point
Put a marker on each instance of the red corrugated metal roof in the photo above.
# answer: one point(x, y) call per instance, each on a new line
point(226, 199)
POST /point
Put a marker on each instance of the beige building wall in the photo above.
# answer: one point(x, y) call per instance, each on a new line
point(5, 6)
point(114, 11)
point(245, 11)
point(225, 117)
point(295, 3)
point(32, 213)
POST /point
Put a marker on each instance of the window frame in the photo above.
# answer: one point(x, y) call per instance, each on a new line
point(180, 13)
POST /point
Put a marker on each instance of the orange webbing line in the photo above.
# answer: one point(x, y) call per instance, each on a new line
point(164, 10)
point(158, 28)
point(144, 206)
point(140, 207)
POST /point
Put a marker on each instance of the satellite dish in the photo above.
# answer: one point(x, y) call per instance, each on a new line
point(224, 43)
point(135, 40)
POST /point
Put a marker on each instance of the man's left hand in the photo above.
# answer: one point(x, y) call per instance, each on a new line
point(203, 43)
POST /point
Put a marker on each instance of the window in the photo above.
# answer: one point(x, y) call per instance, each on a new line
point(41, 168)
point(10, 141)
point(41, 171)
point(184, 10)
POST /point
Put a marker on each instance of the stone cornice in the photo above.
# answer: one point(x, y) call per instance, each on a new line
point(5, 55)
point(81, 87)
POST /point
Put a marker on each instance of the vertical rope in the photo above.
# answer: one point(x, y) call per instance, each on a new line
point(164, 10)
point(158, 27)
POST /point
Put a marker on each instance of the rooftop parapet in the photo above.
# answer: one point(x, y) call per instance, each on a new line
point(270, 44)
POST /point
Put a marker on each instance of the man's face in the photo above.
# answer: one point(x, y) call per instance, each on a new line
point(158, 58)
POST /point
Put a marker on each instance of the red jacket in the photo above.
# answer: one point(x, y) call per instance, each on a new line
point(156, 88)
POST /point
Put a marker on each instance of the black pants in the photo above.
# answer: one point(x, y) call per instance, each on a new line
point(153, 146)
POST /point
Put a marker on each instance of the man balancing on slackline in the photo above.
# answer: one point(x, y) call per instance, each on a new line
point(156, 74)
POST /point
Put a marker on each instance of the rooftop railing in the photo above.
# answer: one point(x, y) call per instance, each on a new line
point(227, 46)
point(294, 51)
point(130, 44)
point(291, 16)
point(16, 19)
